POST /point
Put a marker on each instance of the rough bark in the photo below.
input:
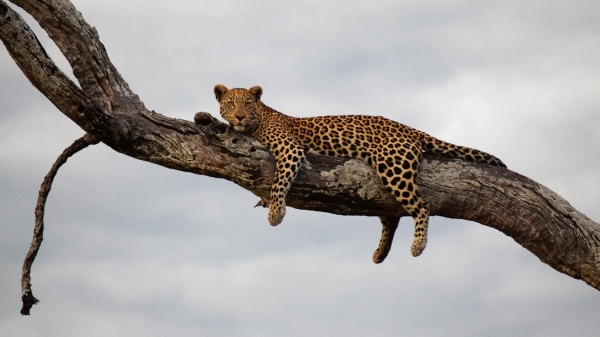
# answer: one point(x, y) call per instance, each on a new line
point(103, 105)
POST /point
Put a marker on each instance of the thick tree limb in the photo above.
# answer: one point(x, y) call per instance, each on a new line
point(81, 45)
point(24, 47)
point(531, 214)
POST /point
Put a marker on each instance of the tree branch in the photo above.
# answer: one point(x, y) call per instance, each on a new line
point(38, 231)
point(80, 44)
point(531, 214)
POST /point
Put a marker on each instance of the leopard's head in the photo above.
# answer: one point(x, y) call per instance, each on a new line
point(240, 107)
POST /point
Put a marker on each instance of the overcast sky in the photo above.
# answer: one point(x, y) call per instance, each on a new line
point(134, 249)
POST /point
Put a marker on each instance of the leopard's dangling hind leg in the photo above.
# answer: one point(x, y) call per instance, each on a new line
point(398, 175)
point(420, 212)
point(390, 224)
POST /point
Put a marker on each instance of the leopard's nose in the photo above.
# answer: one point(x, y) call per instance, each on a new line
point(239, 118)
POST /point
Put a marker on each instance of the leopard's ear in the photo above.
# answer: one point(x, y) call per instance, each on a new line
point(220, 90)
point(255, 91)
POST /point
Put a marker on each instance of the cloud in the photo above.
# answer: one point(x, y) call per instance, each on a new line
point(135, 249)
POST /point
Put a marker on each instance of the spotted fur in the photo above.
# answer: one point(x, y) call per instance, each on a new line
point(393, 149)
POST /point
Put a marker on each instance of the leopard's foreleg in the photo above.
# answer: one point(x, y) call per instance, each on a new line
point(289, 159)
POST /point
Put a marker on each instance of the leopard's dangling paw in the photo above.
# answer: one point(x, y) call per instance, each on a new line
point(418, 246)
point(276, 213)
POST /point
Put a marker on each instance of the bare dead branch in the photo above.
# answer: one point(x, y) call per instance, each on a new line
point(38, 232)
point(24, 47)
point(81, 45)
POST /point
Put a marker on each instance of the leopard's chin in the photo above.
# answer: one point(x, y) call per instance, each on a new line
point(239, 128)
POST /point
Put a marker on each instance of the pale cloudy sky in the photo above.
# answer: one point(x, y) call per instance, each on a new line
point(134, 249)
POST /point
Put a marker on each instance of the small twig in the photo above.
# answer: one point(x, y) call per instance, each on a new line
point(38, 232)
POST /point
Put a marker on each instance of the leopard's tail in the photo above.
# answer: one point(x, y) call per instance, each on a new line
point(434, 145)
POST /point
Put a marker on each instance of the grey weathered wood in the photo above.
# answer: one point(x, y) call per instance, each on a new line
point(103, 105)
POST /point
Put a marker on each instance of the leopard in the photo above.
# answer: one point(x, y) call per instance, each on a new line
point(394, 151)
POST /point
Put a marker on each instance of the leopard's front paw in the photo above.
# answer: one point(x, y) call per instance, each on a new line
point(276, 215)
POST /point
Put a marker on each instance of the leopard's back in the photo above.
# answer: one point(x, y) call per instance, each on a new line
point(361, 137)
point(354, 136)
